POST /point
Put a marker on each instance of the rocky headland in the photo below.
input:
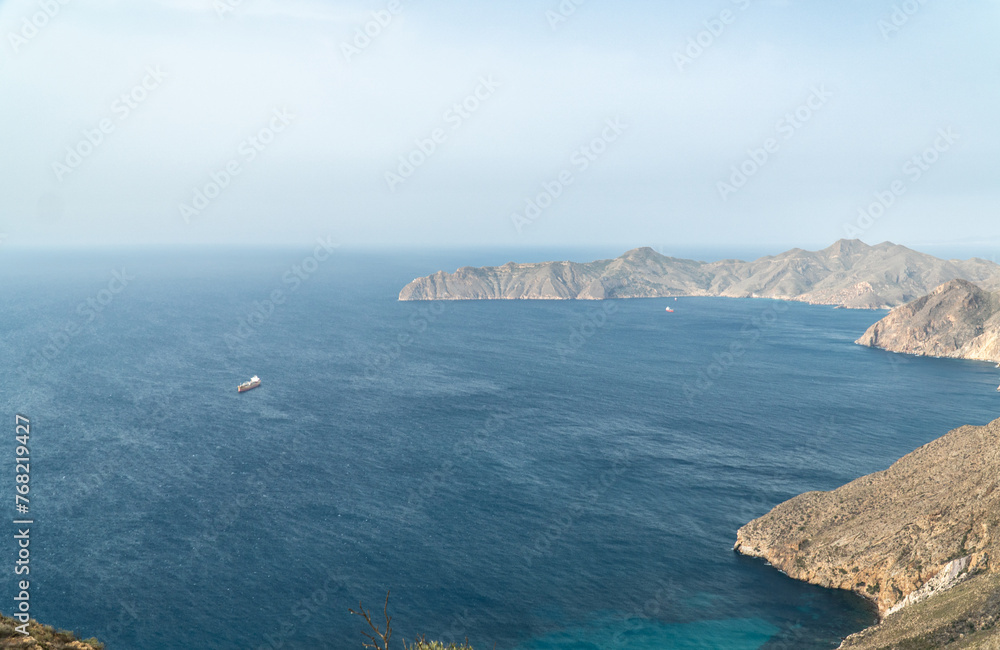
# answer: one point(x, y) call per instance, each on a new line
point(958, 319)
point(920, 540)
point(848, 274)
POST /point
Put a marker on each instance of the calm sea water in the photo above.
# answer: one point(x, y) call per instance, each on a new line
point(535, 475)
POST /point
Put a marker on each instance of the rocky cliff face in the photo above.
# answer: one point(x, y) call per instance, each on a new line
point(957, 319)
point(848, 274)
point(964, 617)
point(900, 536)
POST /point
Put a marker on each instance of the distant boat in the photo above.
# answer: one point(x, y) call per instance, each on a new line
point(672, 311)
point(247, 385)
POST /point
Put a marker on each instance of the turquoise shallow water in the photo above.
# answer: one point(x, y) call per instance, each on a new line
point(644, 634)
point(538, 475)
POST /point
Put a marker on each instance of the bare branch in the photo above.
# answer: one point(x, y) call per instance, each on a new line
point(378, 635)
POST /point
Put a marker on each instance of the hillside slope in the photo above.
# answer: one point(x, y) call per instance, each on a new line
point(901, 537)
point(847, 274)
point(957, 319)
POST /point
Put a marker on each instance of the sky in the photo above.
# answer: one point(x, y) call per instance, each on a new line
point(524, 123)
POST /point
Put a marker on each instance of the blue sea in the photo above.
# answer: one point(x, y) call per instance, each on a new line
point(526, 475)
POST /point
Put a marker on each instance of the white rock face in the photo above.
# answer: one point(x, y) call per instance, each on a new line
point(949, 576)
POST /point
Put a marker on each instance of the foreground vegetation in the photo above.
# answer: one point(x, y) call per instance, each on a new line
point(45, 637)
point(42, 637)
point(378, 637)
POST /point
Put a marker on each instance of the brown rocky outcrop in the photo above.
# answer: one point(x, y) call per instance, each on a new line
point(898, 537)
point(957, 319)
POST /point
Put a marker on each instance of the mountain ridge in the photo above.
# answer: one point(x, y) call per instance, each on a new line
point(849, 274)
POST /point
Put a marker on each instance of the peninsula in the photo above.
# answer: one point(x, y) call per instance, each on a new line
point(920, 540)
point(957, 319)
point(849, 274)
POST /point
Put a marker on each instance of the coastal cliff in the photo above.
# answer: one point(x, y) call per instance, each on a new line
point(958, 319)
point(919, 539)
point(848, 274)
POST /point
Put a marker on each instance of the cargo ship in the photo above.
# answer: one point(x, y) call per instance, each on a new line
point(247, 385)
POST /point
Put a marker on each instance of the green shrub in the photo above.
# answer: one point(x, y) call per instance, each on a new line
point(437, 645)
point(46, 637)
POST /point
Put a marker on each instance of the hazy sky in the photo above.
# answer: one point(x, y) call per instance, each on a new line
point(623, 122)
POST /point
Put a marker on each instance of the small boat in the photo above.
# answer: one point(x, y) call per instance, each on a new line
point(670, 310)
point(247, 385)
